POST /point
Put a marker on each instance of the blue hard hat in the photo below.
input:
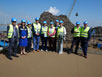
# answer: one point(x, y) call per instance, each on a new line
point(45, 22)
point(37, 18)
point(61, 21)
point(23, 20)
point(28, 22)
point(57, 20)
point(78, 22)
point(13, 20)
point(85, 22)
point(51, 22)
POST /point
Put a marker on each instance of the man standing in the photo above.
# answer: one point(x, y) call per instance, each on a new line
point(28, 48)
point(36, 28)
point(12, 33)
point(85, 37)
point(61, 33)
point(56, 27)
point(76, 37)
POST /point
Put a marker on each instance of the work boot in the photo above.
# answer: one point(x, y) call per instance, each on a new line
point(85, 57)
point(33, 50)
point(10, 58)
point(15, 56)
point(38, 50)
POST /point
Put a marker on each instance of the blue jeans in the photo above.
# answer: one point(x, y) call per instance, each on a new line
point(36, 40)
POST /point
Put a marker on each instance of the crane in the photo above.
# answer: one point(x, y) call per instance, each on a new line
point(73, 5)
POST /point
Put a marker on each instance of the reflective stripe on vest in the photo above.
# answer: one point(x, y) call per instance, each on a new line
point(37, 27)
point(60, 31)
point(51, 30)
point(10, 32)
point(84, 32)
point(76, 32)
point(29, 31)
point(44, 30)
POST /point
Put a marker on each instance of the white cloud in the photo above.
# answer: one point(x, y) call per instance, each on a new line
point(53, 10)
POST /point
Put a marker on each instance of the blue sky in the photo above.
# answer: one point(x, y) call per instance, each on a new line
point(90, 10)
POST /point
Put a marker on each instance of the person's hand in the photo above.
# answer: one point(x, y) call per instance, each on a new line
point(22, 37)
point(75, 31)
point(37, 34)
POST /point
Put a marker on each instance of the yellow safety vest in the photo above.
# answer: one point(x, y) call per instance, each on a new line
point(76, 32)
point(37, 29)
point(10, 31)
point(51, 30)
point(29, 29)
point(44, 31)
point(84, 32)
point(60, 30)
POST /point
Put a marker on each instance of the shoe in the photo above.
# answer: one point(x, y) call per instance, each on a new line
point(76, 53)
point(16, 56)
point(21, 53)
point(10, 58)
point(85, 57)
point(38, 51)
point(41, 49)
point(33, 50)
point(60, 53)
point(46, 50)
point(25, 53)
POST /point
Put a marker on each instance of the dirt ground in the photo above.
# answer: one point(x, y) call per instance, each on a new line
point(50, 64)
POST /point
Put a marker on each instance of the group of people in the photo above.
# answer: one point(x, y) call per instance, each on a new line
point(83, 35)
point(22, 36)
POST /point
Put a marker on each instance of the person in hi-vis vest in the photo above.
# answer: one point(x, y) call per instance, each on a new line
point(44, 36)
point(36, 29)
point(85, 37)
point(29, 37)
point(12, 34)
point(51, 35)
point(56, 27)
point(76, 37)
point(61, 33)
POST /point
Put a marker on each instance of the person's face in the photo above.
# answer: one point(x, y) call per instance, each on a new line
point(37, 21)
point(14, 23)
point(23, 23)
point(51, 25)
point(78, 25)
point(85, 25)
point(29, 25)
point(61, 24)
point(57, 23)
point(45, 24)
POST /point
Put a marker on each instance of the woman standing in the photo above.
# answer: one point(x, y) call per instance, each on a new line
point(23, 33)
point(51, 34)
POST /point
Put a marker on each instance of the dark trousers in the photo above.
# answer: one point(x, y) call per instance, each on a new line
point(56, 44)
point(52, 44)
point(84, 45)
point(28, 48)
point(12, 46)
point(44, 43)
point(76, 41)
